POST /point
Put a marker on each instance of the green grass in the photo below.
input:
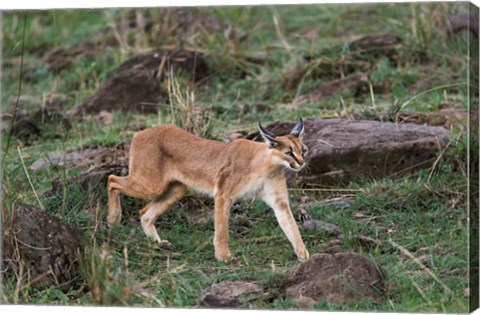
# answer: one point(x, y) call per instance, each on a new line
point(423, 212)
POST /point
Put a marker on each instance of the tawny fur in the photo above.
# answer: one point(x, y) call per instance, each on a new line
point(165, 160)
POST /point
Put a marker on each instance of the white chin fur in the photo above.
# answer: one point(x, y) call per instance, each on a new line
point(297, 169)
point(288, 166)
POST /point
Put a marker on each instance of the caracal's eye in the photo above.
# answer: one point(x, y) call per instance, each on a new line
point(304, 151)
point(289, 153)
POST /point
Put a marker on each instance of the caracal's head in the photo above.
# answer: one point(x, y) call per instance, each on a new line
point(287, 150)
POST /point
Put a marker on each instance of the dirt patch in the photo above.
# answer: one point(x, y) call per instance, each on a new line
point(60, 59)
point(336, 278)
point(137, 83)
point(231, 294)
point(44, 122)
point(127, 91)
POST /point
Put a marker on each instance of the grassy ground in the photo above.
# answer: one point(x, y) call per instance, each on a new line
point(423, 214)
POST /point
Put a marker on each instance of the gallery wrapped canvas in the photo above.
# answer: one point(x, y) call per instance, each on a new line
point(318, 157)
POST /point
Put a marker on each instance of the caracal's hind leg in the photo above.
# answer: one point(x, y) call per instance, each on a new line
point(131, 186)
point(157, 207)
point(115, 187)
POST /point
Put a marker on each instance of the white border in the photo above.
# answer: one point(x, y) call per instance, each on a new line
point(62, 4)
point(81, 310)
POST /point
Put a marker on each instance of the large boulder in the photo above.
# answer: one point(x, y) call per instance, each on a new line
point(341, 150)
point(42, 247)
point(336, 278)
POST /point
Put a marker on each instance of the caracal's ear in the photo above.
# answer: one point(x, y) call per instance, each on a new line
point(268, 136)
point(298, 129)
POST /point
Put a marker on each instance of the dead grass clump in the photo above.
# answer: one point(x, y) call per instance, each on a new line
point(186, 112)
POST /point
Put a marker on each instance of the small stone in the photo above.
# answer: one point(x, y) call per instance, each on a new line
point(336, 278)
point(104, 118)
point(230, 294)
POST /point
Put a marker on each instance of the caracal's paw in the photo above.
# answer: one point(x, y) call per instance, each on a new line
point(224, 256)
point(163, 243)
point(303, 256)
point(113, 220)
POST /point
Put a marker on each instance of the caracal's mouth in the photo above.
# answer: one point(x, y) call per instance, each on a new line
point(296, 169)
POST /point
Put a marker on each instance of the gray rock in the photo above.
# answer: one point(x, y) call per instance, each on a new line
point(307, 223)
point(341, 150)
point(45, 247)
point(336, 278)
point(86, 157)
point(230, 294)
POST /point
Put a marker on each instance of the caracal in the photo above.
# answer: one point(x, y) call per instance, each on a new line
point(165, 160)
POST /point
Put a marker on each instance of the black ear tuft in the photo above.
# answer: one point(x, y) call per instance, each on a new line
point(268, 136)
point(266, 132)
point(298, 129)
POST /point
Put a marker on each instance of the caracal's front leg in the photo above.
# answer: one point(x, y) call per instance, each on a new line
point(275, 195)
point(220, 240)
